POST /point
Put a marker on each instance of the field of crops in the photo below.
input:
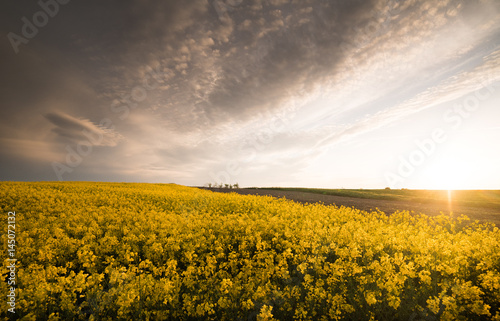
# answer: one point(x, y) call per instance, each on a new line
point(105, 251)
point(479, 198)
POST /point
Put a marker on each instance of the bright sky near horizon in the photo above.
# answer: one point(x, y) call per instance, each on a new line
point(313, 93)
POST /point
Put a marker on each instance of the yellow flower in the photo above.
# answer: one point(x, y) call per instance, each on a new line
point(370, 298)
point(265, 313)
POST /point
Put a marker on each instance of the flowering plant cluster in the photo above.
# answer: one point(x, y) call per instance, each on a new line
point(106, 251)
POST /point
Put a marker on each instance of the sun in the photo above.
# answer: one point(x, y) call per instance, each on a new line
point(447, 174)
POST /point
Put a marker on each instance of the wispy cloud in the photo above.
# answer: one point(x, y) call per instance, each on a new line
point(72, 130)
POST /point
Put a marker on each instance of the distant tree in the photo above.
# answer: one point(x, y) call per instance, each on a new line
point(236, 185)
point(387, 188)
point(226, 185)
point(209, 185)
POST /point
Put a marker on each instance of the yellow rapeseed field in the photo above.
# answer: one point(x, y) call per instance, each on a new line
point(107, 251)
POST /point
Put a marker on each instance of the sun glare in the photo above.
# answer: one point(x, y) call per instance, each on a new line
point(447, 174)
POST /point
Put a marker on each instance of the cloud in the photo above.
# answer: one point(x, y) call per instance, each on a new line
point(74, 131)
point(235, 68)
point(219, 77)
point(484, 77)
point(33, 150)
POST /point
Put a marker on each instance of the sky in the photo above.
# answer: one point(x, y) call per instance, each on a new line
point(312, 93)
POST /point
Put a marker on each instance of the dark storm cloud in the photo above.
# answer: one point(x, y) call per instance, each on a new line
point(278, 50)
point(222, 69)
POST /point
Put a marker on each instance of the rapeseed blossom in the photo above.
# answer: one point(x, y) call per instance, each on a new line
point(104, 251)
